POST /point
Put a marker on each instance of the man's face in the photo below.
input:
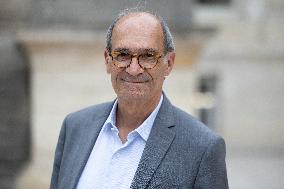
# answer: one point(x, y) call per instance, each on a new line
point(138, 33)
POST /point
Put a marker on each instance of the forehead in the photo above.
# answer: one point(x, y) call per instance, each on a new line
point(138, 31)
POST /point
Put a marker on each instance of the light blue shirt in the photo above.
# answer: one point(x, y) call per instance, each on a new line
point(112, 164)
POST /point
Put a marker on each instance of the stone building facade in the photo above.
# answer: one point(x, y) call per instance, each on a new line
point(229, 69)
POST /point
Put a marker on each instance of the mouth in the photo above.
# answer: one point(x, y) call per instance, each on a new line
point(135, 82)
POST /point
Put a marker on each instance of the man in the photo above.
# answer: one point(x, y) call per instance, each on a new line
point(140, 140)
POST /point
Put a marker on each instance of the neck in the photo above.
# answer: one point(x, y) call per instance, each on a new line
point(132, 113)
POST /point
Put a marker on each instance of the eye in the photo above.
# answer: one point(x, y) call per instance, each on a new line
point(147, 55)
point(123, 56)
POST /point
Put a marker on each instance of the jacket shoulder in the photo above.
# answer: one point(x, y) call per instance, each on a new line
point(91, 112)
point(192, 129)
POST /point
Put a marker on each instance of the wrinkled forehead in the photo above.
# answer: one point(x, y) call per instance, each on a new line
point(138, 31)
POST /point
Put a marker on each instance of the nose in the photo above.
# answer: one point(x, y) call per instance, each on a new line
point(134, 68)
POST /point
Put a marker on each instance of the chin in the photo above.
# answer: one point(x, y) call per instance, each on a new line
point(133, 93)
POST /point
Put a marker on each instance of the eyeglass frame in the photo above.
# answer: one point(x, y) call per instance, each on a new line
point(136, 55)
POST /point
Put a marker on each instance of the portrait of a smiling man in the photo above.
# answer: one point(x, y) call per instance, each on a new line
point(139, 140)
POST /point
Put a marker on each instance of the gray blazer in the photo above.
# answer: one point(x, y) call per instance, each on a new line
point(180, 152)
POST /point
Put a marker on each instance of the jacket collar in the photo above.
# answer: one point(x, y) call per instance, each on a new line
point(157, 145)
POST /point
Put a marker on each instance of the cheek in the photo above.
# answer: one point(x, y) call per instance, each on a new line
point(158, 78)
point(114, 79)
point(161, 72)
point(115, 75)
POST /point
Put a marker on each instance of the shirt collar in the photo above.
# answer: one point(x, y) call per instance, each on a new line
point(112, 116)
point(145, 128)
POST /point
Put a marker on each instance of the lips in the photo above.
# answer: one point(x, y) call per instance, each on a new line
point(135, 79)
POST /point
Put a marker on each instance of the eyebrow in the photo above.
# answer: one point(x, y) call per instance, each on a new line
point(143, 50)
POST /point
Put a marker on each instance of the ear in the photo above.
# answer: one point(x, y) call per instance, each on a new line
point(107, 60)
point(170, 62)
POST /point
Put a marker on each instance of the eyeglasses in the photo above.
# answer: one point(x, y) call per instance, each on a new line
point(146, 60)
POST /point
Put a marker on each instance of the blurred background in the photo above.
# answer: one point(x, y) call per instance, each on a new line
point(229, 73)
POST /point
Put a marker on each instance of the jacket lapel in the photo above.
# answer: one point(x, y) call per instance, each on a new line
point(159, 141)
point(88, 137)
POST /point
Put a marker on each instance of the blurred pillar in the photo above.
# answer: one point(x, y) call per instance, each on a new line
point(207, 86)
point(14, 111)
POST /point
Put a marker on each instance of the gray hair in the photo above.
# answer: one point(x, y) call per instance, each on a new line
point(168, 39)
